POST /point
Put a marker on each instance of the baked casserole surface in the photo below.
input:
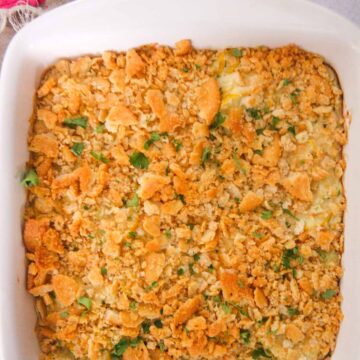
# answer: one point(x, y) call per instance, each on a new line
point(187, 204)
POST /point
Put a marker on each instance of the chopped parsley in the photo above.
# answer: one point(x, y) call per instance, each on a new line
point(103, 271)
point(30, 179)
point(293, 311)
point(77, 149)
point(178, 145)
point(328, 294)
point(100, 128)
point(154, 137)
point(133, 305)
point(146, 327)
point(167, 233)
point(266, 215)
point(64, 314)
point(294, 96)
point(257, 235)
point(85, 301)
point(260, 131)
point(226, 308)
point(139, 160)
point(206, 154)
point(181, 197)
point(286, 82)
point(158, 323)
point(185, 69)
point(197, 66)
point(153, 285)
point(180, 271)
point(254, 113)
point(134, 202)
point(259, 353)
point(263, 320)
point(289, 255)
point(122, 345)
point(258, 152)
point(191, 269)
point(196, 257)
point(161, 346)
point(237, 53)
point(245, 336)
point(218, 121)
point(291, 130)
point(217, 299)
point(132, 234)
point(80, 121)
point(191, 226)
point(99, 157)
point(275, 120)
point(211, 268)
point(288, 212)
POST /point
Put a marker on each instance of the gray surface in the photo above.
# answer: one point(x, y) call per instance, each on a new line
point(347, 8)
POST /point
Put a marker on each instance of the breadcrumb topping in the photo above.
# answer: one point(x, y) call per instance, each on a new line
point(187, 204)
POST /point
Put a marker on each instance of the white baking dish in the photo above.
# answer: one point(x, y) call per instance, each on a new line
point(91, 26)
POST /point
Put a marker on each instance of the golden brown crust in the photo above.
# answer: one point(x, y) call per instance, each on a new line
point(195, 213)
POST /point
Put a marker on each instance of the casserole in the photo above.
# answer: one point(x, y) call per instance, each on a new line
point(31, 52)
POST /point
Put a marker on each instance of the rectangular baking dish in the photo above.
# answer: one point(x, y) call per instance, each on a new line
point(91, 26)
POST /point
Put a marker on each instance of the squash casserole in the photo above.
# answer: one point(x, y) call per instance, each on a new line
point(186, 204)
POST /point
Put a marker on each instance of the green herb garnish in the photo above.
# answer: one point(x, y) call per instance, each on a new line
point(30, 179)
point(206, 154)
point(146, 327)
point(85, 301)
point(77, 149)
point(103, 271)
point(132, 234)
point(100, 128)
point(154, 137)
point(266, 215)
point(64, 314)
point(72, 123)
point(99, 157)
point(122, 345)
point(293, 311)
point(226, 308)
point(178, 145)
point(133, 305)
point(134, 202)
point(185, 69)
point(196, 257)
point(237, 52)
point(286, 82)
point(167, 233)
point(275, 120)
point(218, 121)
point(260, 131)
point(139, 160)
point(294, 96)
point(158, 323)
point(328, 294)
point(288, 212)
point(258, 152)
point(257, 235)
point(153, 285)
point(245, 336)
point(191, 269)
point(259, 353)
point(161, 346)
point(254, 113)
point(180, 271)
point(291, 130)
point(288, 255)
